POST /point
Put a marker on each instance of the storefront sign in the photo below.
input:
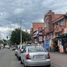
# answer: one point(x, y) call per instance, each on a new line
point(46, 44)
point(40, 38)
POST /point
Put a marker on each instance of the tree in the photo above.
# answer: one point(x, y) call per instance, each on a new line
point(15, 36)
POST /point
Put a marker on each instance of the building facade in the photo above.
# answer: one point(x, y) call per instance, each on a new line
point(37, 36)
point(57, 31)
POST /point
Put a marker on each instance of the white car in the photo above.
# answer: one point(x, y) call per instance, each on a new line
point(18, 51)
point(35, 56)
point(7, 46)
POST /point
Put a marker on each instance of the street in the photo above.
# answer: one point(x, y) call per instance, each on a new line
point(58, 59)
point(8, 59)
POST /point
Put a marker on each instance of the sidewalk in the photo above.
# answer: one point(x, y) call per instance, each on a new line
point(58, 59)
point(58, 53)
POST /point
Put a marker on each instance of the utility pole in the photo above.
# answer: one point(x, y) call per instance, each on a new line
point(20, 34)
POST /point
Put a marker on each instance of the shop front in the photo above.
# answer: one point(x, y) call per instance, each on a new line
point(62, 43)
point(55, 46)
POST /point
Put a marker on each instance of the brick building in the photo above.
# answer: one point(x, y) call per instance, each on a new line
point(56, 25)
point(37, 36)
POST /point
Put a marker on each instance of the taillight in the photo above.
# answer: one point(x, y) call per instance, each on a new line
point(48, 56)
point(27, 56)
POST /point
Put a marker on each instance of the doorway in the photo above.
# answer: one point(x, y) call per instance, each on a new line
point(55, 42)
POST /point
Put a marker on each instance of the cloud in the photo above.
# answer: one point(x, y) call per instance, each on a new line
point(14, 12)
point(15, 26)
point(18, 11)
point(7, 29)
point(3, 14)
point(4, 32)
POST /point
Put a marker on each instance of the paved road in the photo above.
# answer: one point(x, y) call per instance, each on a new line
point(8, 59)
point(59, 60)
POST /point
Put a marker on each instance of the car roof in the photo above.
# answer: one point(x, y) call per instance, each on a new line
point(28, 46)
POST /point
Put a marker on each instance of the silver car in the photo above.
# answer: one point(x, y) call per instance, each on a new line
point(35, 56)
point(18, 51)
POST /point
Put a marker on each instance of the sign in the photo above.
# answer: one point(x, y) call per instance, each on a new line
point(40, 38)
point(46, 44)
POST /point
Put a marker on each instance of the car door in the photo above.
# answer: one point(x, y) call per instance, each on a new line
point(23, 54)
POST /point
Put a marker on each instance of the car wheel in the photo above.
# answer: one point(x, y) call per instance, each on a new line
point(21, 62)
point(15, 54)
point(25, 65)
point(49, 66)
point(19, 58)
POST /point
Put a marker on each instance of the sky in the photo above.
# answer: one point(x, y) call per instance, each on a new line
point(16, 13)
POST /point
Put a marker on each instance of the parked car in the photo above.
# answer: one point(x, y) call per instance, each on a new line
point(7, 46)
point(18, 51)
point(13, 48)
point(35, 56)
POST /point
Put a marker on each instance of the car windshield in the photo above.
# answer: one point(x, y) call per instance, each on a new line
point(36, 49)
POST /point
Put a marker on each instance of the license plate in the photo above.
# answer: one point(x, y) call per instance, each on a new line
point(39, 57)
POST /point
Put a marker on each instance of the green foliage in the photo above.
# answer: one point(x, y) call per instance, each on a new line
point(15, 36)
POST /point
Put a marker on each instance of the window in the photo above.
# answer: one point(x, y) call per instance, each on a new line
point(24, 49)
point(61, 22)
point(36, 49)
